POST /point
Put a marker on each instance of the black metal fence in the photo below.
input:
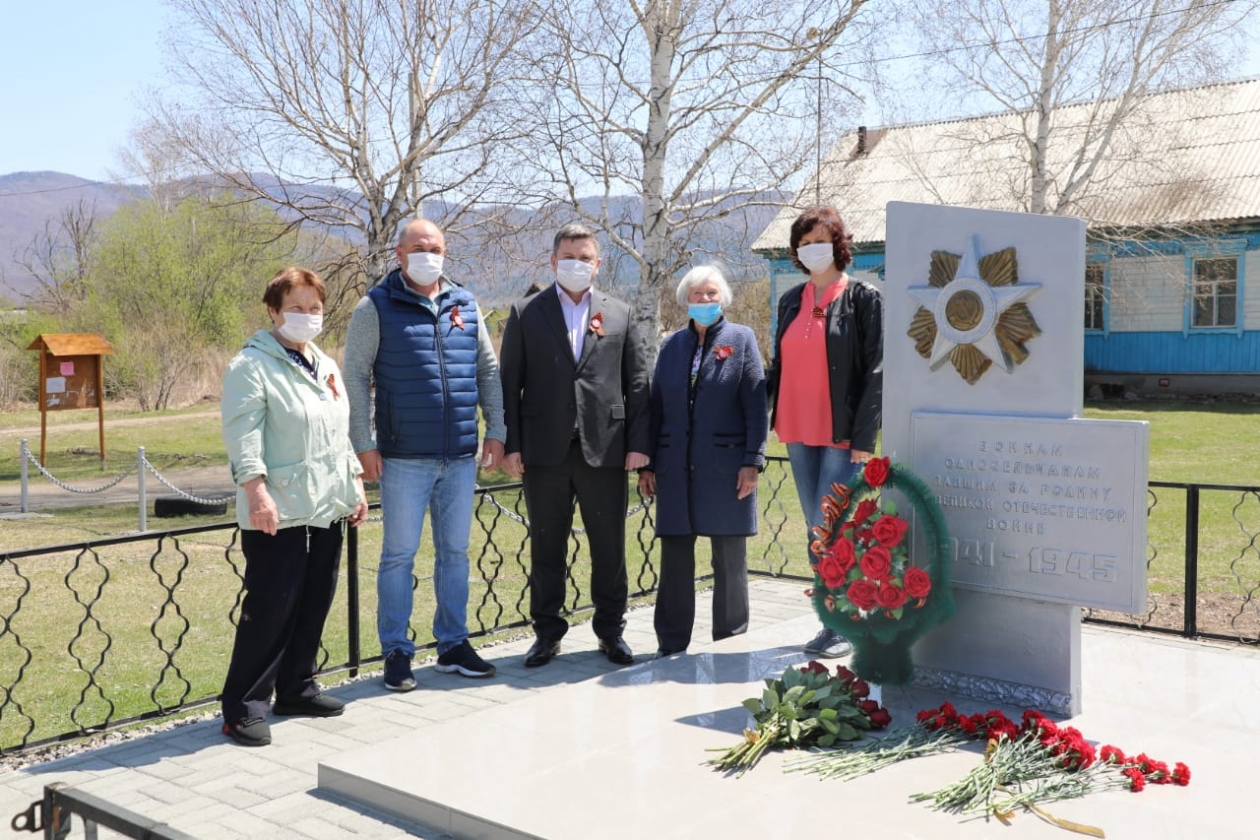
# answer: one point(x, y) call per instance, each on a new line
point(100, 635)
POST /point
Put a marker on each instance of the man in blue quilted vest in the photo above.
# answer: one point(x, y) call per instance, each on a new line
point(419, 338)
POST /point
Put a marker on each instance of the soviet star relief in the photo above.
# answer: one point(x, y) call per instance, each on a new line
point(974, 312)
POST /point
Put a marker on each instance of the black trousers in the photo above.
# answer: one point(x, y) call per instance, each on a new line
point(676, 595)
point(290, 579)
point(601, 496)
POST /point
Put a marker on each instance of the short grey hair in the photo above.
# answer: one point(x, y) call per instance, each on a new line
point(572, 231)
point(703, 274)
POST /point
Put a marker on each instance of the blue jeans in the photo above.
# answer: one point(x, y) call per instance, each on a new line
point(814, 468)
point(408, 488)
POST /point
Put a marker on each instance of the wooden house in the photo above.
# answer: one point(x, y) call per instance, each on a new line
point(1173, 213)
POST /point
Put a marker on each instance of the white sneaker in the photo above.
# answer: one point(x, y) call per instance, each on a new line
point(828, 644)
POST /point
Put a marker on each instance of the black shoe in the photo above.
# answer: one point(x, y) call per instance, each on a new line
point(541, 652)
point(321, 705)
point(617, 651)
point(463, 660)
point(662, 653)
point(253, 732)
point(398, 676)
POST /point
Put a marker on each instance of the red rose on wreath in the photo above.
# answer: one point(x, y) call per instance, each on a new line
point(890, 596)
point(876, 563)
point(918, 583)
point(842, 549)
point(862, 513)
point(832, 572)
point(889, 530)
point(814, 667)
point(861, 593)
point(877, 471)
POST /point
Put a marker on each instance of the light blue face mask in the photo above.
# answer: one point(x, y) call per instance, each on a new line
point(704, 314)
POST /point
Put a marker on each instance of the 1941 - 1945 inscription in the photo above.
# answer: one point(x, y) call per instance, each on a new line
point(1049, 509)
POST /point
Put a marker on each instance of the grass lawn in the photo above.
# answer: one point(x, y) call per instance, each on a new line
point(188, 437)
point(85, 634)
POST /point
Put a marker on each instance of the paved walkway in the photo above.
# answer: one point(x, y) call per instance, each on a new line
point(194, 779)
point(1177, 700)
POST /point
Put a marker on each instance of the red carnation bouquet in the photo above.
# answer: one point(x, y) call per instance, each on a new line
point(1026, 764)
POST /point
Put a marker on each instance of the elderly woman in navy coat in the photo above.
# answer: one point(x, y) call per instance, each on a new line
point(708, 444)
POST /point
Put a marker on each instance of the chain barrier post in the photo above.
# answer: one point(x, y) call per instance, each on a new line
point(25, 507)
point(144, 503)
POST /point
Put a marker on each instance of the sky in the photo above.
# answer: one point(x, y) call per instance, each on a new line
point(74, 72)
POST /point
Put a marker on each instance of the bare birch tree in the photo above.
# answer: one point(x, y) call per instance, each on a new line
point(1031, 58)
point(58, 258)
point(694, 108)
point(155, 156)
point(350, 114)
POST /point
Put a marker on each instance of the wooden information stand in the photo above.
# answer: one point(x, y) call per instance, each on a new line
point(71, 375)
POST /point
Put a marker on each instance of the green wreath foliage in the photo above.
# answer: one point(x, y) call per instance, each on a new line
point(881, 642)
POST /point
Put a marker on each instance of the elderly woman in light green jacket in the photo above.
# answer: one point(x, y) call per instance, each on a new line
point(286, 426)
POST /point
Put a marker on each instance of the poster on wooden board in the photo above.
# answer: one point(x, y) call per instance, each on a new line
point(71, 375)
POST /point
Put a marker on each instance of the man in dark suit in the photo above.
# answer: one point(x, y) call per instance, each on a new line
point(575, 382)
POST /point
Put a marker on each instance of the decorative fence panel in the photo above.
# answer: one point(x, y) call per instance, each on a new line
point(99, 635)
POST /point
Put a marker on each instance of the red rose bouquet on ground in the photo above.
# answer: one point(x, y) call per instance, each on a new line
point(806, 707)
point(867, 587)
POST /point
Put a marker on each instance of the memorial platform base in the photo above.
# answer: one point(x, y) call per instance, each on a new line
point(623, 755)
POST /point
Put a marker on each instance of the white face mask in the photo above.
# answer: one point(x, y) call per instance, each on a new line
point(300, 328)
point(424, 269)
point(817, 256)
point(574, 275)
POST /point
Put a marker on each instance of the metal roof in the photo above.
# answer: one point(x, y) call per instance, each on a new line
point(1186, 157)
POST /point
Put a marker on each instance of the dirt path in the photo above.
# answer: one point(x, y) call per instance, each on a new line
point(42, 494)
point(204, 482)
point(91, 425)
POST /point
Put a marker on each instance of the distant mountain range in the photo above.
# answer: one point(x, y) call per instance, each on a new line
point(497, 266)
point(28, 200)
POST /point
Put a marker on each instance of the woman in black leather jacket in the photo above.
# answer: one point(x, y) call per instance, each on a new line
point(829, 339)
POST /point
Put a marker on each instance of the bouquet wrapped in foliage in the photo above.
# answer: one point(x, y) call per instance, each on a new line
point(867, 588)
point(806, 707)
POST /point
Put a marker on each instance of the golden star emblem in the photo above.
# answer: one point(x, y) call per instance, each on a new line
point(974, 312)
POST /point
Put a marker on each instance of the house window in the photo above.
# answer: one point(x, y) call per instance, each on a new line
point(1215, 292)
point(1095, 284)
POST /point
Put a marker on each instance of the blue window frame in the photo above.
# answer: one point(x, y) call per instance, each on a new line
point(1098, 288)
point(1215, 286)
point(1096, 297)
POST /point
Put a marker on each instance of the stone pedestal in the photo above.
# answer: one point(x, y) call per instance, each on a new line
point(983, 390)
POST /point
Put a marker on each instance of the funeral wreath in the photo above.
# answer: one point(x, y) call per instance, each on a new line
point(866, 585)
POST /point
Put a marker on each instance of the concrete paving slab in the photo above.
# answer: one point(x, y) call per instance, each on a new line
point(1177, 700)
